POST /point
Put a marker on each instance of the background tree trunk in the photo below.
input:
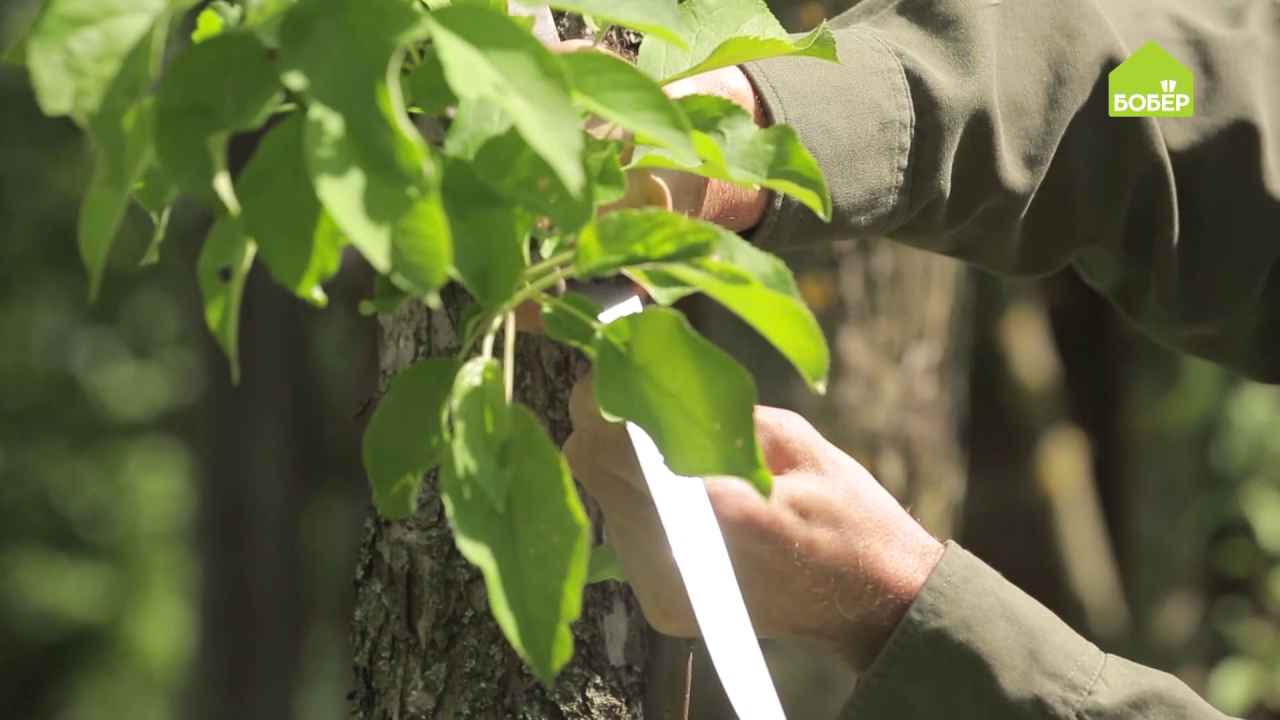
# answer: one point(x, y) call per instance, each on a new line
point(898, 324)
point(425, 644)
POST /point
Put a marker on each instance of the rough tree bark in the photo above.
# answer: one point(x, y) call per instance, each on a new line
point(425, 644)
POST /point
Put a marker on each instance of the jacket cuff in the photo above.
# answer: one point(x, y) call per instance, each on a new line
point(855, 117)
point(973, 645)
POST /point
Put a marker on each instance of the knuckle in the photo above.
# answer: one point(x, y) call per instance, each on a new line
point(780, 421)
point(734, 502)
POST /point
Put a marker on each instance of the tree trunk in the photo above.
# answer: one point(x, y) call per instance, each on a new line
point(425, 644)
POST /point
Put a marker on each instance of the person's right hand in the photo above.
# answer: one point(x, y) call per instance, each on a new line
point(830, 556)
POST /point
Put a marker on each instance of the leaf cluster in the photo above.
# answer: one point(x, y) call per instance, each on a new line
point(506, 204)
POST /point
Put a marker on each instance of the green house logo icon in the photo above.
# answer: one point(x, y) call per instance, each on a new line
point(1151, 83)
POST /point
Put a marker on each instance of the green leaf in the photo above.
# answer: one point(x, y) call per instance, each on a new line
point(77, 48)
point(604, 167)
point(156, 193)
point(481, 422)
point(734, 149)
point(426, 89)
point(758, 288)
point(571, 319)
point(386, 299)
point(476, 122)
point(405, 437)
point(121, 130)
point(221, 86)
point(604, 565)
point(651, 17)
point(16, 54)
point(512, 168)
point(159, 228)
point(632, 237)
point(263, 18)
point(370, 168)
point(615, 90)
point(534, 558)
point(119, 162)
point(221, 270)
point(297, 240)
point(216, 19)
point(723, 33)
point(209, 24)
point(491, 245)
point(155, 190)
point(487, 55)
point(694, 400)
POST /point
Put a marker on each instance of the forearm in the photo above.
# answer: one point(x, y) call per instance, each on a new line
point(973, 646)
point(981, 131)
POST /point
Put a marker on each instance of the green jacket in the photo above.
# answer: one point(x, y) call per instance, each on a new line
point(979, 129)
point(974, 647)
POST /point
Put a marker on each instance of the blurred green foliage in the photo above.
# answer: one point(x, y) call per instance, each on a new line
point(1246, 454)
point(96, 490)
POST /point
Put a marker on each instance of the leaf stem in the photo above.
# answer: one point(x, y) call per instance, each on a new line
point(509, 355)
point(555, 261)
point(532, 291)
point(487, 348)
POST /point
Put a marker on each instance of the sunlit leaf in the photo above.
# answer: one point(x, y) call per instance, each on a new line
point(723, 33)
point(221, 270)
point(616, 91)
point(515, 171)
point(486, 55)
point(298, 242)
point(221, 86)
point(693, 399)
point(534, 556)
point(632, 237)
point(651, 17)
point(758, 288)
point(370, 168)
point(481, 429)
point(77, 48)
point(732, 148)
point(475, 122)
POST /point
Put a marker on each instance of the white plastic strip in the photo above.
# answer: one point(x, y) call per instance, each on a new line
point(703, 562)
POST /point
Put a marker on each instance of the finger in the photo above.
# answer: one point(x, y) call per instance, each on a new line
point(787, 440)
point(529, 318)
point(563, 47)
point(583, 412)
point(644, 189)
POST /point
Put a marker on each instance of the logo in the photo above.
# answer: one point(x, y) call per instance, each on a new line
point(1151, 83)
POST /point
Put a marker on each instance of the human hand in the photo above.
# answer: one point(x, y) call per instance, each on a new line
point(830, 556)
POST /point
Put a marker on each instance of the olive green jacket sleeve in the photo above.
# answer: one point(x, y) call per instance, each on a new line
point(974, 647)
point(980, 129)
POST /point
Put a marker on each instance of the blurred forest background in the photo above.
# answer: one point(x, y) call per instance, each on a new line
point(171, 546)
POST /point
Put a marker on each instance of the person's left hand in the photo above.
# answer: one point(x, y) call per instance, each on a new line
point(830, 556)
